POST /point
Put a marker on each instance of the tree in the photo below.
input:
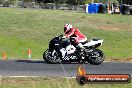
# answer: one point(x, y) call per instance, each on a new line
point(96, 1)
point(44, 1)
point(86, 1)
point(60, 1)
point(77, 2)
point(7, 2)
point(73, 2)
point(52, 1)
point(1, 1)
point(125, 2)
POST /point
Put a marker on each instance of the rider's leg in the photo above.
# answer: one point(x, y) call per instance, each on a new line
point(79, 44)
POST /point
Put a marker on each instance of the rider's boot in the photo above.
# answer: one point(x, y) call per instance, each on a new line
point(81, 47)
point(81, 50)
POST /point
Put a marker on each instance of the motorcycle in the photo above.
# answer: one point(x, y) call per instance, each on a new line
point(90, 54)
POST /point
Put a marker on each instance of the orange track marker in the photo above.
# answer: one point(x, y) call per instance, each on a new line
point(4, 56)
point(29, 53)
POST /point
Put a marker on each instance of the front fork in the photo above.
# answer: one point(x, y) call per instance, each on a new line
point(53, 52)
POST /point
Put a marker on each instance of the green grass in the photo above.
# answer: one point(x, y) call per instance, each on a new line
point(53, 83)
point(21, 29)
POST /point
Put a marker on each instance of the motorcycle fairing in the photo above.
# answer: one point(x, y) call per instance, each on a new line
point(93, 42)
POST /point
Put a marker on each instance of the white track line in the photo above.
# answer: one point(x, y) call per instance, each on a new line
point(117, 61)
point(20, 76)
point(34, 77)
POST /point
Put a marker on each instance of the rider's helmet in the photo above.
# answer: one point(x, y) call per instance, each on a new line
point(67, 27)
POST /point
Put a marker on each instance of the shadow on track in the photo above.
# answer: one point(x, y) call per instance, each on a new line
point(30, 61)
point(40, 61)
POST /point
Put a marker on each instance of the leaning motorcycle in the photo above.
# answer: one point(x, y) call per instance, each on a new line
point(91, 53)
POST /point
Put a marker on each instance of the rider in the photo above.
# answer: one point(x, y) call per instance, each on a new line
point(76, 35)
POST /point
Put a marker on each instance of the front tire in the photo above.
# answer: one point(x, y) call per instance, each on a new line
point(96, 58)
point(47, 56)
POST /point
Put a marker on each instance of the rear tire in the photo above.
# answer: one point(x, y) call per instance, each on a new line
point(51, 59)
point(96, 58)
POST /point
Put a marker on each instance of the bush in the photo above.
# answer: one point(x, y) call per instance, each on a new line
point(6, 3)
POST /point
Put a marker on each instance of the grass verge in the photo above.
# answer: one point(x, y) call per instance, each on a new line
point(52, 83)
point(21, 29)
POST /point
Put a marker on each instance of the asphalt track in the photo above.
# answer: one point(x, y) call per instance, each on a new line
point(41, 68)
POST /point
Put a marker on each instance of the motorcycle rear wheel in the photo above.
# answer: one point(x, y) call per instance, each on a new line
point(96, 58)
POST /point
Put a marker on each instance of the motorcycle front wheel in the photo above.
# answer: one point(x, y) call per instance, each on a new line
point(51, 59)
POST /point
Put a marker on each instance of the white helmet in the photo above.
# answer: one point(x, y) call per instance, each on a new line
point(67, 27)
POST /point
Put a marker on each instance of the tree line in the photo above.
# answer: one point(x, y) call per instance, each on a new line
point(78, 2)
point(73, 2)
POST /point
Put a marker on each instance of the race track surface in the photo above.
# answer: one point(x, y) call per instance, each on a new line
point(41, 68)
